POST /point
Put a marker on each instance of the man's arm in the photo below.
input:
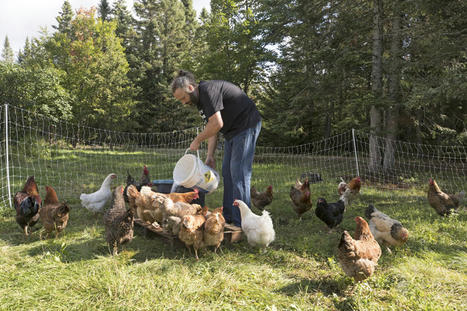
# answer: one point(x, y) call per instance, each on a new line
point(215, 123)
point(212, 144)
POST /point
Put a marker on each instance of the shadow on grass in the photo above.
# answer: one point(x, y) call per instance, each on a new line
point(327, 287)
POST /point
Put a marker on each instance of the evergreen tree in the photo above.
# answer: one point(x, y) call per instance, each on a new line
point(26, 53)
point(7, 52)
point(104, 10)
point(64, 19)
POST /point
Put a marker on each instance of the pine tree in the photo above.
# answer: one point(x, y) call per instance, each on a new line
point(7, 52)
point(64, 19)
point(104, 10)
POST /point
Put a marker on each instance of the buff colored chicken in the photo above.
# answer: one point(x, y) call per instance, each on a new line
point(359, 256)
point(213, 234)
point(191, 230)
point(443, 203)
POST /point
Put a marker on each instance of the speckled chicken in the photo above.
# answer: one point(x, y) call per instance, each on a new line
point(119, 222)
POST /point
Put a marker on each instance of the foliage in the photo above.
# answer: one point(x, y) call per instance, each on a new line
point(7, 52)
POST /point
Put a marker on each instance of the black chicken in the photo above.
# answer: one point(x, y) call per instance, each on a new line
point(330, 213)
point(27, 203)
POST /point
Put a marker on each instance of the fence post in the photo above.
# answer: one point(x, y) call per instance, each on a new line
point(355, 151)
point(7, 152)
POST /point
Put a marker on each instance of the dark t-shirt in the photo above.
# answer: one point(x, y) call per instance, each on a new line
point(238, 111)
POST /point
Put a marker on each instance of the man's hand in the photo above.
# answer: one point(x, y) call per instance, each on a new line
point(194, 145)
point(211, 162)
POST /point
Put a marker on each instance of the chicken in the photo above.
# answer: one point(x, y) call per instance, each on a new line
point(213, 234)
point(119, 222)
point(145, 181)
point(53, 214)
point(261, 199)
point(443, 203)
point(384, 229)
point(96, 201)
point(330, 213)
point(349, 190)
point(129, 181)
point(172, 224)
point(259, 230)
point(27, 204)
point(191, 230)
point(148, 204)
point(186, 197)
point(301, 197)
point(358, 257)
point(180, 209)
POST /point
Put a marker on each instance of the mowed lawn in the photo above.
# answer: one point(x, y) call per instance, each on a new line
point(299, 271)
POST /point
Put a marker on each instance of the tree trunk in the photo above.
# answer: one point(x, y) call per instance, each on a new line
point(392, 125)
point(377, 85)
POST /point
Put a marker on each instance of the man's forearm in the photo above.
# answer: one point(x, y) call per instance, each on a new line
point(212, 144)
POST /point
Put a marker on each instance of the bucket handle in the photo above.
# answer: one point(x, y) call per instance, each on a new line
point(197, 152)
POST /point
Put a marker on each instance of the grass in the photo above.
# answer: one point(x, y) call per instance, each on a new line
point(298, 272)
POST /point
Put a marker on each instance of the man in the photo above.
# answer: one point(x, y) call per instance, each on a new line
point(227, 109)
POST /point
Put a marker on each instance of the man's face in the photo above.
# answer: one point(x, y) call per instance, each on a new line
point(188, 98)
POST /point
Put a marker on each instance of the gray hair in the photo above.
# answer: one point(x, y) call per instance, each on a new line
point(183, 80)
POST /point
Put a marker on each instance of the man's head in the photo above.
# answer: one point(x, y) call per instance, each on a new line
point(184, 88)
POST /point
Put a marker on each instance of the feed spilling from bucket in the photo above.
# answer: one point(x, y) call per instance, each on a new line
point(191, 172)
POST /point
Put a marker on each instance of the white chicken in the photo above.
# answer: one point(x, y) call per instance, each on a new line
point(96, 201)
point(258, 229)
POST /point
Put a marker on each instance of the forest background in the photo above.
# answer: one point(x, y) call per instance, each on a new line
point(315, 68)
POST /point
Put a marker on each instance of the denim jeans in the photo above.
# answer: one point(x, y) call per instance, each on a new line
point(236, 171)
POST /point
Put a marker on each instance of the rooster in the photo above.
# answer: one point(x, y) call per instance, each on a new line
point(27, 204)
point(384, 229)
point(191, 230)
point(261, 199)
point(301, 197)
point(119, 222)
point(349, 190)
point(443, 203)
point(259, 230)
point(213, 234)
point(359, 256)
point(144, 181)
point(330, 213)
point(96, 201)
point(54, 215)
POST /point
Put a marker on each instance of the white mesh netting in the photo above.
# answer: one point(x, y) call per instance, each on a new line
point(75, 159)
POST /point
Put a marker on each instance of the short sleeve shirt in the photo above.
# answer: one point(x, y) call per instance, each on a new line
point(238, 111)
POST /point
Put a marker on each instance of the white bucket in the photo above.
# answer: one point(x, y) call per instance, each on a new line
point(191, 172)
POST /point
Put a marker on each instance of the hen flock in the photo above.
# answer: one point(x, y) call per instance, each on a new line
point(198, 227)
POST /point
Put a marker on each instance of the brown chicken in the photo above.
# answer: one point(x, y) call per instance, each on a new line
point(213, 234)
point(261, 199)
point(180, 209)
point(359, 256)
point(118, 221)
point(147, 203)
point(301, 197)
point(349, 191)
point(54, 215)
point(191, 230)
point(186, 197)
point(443, 203)
point(27, 204)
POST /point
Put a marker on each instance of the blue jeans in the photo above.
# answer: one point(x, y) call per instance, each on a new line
point(236, 171)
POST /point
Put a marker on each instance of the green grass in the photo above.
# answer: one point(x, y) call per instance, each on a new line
point(298, 272)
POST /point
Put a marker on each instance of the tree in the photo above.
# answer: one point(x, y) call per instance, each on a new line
point(64, 19)
point(376, 85)
point(7, 52)
point(104, 10)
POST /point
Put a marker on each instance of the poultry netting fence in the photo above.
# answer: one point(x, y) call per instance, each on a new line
point(74, 158)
